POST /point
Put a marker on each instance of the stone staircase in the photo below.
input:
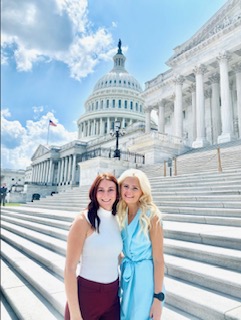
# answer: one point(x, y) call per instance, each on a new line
point(202, 245)
point(203, 160)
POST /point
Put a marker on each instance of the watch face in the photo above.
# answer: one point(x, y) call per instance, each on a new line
point(160, 296)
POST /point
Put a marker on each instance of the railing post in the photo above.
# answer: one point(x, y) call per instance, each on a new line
point(219, 160)
point(165, 169)
point(175, 166)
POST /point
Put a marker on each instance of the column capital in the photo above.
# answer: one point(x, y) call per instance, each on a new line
point(200, 69)
point(178, 79)
point(215, 77)
point(224, 55)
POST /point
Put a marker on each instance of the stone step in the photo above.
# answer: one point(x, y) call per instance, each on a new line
point(206, 204)
point(225, 221)
point(34, 211)
point(172, 313)
point(223, 257)
point(45, 221)
point(221, 236)
point(196, 177)
point(222, 212)
point(57, 233)
point(6, 311)
point(16, 285)
point(49, 259)
point(52, 243)
point(209, 276)
point(203, 304)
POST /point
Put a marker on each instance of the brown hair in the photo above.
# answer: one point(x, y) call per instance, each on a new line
point(93, 206)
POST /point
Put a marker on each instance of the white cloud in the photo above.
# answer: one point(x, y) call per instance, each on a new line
point(19, 143)
point(46, 30)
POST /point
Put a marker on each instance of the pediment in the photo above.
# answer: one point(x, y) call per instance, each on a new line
point(227, 17)
point(39, 152)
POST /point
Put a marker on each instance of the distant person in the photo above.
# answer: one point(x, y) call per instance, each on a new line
point(94, 239)
point(142, 268)
point(3, 192)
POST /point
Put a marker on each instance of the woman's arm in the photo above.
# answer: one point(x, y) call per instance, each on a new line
point(75, 242)
point(156, 236)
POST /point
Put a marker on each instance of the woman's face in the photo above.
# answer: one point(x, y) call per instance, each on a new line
point(106, 194)
point(131, 190)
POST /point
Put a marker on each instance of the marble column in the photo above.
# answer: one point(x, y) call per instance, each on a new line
point(237, 70)
point(226, 114)
point(161, 116)
point(194, 116)
point(178, 116)
point(66, 161)
point(200, 108)
point(209, 115)
point(51, 169)
point(62, 171)
point(69, 169)
point(58, 171)
point(102, 127)
point(147, 110)
point(73, 170)
point(215, 106)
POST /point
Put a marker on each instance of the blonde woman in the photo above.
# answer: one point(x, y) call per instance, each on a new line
point(142, 268)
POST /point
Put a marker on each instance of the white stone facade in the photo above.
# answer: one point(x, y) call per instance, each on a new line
point(198, 103)
point(198, 99)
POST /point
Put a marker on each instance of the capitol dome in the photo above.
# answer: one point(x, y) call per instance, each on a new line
point(116, 97)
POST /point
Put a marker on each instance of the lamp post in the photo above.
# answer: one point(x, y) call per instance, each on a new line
point(117, 134)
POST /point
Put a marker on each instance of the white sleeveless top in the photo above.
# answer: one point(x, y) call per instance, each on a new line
point(99, 259)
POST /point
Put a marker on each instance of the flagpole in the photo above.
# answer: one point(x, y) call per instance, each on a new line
point(48, 134)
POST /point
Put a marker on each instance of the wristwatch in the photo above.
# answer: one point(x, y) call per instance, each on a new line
point(160, 296)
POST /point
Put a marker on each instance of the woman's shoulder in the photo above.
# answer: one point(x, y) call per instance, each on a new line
point(81, 219)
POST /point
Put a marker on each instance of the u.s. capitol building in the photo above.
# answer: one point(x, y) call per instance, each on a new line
point(197, 102)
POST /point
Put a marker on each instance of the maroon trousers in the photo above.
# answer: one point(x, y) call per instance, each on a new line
point(97, 301)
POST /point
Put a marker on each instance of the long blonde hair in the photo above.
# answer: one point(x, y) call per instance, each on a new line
point(145, 202)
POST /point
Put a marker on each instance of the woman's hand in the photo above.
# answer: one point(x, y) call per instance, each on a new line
point(156, 310)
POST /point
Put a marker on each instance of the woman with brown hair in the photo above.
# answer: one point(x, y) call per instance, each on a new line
point(94, 239)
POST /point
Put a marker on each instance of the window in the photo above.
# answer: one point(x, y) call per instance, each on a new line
point(119, 104)
point(113, 103)
point(107, 103)
point(125, 104)
point(131, 107)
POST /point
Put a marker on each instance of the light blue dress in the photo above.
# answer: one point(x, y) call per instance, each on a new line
point(137, 276)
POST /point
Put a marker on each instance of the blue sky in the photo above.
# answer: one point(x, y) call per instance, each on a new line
point(54, 51)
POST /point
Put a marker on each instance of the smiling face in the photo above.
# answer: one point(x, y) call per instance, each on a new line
point(131, 190)
point(106, 194)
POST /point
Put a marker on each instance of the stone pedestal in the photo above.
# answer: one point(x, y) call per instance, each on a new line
point(225, 137)
point(200, 143)
point(157, 147)
point(91, 168)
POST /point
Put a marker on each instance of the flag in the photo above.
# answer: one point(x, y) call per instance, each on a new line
point(51, 123)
